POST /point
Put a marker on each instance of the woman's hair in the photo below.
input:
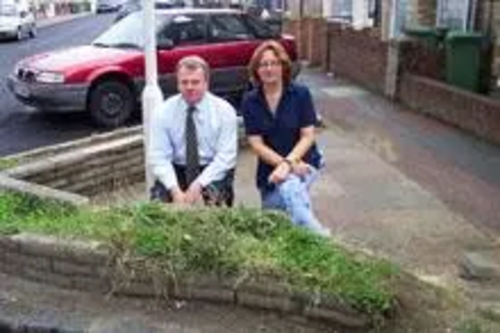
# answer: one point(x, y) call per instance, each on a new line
point(280, 53)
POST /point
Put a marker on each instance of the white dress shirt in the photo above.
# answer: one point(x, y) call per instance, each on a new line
point(217, 133)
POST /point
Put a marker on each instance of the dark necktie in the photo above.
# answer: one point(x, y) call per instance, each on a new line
point(192, 158)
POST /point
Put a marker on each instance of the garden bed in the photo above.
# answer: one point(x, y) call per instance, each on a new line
point(241, 256)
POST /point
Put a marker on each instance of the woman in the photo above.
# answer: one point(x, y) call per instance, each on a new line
point(280, 123)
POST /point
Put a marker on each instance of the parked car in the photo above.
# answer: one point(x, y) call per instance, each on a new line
point(16, 21)
point(108, 6)
point(106, 78)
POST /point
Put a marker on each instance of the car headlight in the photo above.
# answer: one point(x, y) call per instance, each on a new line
point(49, 77)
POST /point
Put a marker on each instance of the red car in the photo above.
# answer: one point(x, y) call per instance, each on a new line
point(106, 78)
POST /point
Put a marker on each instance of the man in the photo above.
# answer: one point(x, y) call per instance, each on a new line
point(193, 143)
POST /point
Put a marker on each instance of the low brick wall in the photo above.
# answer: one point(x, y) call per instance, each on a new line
point(52, 150)
point(88, 266)
point(66, 264)
point(85, 167)
point(358, 55)
point(472, 112)
point(420, 59)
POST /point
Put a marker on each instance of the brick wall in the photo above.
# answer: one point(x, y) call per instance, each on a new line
point(92, 267)
point(359, 55)
point(420, 59)
point(472, 112)
point(105, 165)
point(62, 263)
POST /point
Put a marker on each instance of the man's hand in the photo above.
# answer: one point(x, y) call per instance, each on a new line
point(178, 196)
point(193, 193)
point(280, 173)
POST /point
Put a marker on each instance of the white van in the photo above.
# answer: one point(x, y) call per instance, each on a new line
point(16, 20)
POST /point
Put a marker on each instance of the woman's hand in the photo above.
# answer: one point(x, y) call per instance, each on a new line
point(300, 168)
point(280, 173)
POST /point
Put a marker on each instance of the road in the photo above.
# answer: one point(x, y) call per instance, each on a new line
point(23, 128)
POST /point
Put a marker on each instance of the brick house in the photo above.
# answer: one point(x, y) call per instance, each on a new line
point(367, 46)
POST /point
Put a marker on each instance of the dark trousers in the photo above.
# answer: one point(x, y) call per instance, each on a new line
point(218, 193)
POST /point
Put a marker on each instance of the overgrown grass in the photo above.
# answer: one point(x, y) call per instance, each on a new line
point(232, 242)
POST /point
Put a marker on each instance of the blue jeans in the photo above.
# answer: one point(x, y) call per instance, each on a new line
point(292, 196)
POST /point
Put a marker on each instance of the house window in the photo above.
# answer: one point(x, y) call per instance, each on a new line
point(398, 20)
point(342, 10)
point(375, 12)
point(455, 14)
point(364, 13)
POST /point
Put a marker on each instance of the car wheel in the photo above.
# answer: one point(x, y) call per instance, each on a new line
point(111, 103)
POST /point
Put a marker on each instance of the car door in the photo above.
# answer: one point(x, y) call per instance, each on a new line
point(183, 35)
point(231, 45)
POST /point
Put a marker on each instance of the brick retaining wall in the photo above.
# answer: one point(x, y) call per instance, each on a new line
point(49, 151)
point(99, 164)
point(358, 55)
point(472, 112)
point(66, 264)
point(88, 266)
point(423, 60)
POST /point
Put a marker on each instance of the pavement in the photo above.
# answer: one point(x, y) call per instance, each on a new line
point(396, 184)
point(379, 190)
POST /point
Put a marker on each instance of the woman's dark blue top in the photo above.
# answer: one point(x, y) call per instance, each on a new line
point(280, 131)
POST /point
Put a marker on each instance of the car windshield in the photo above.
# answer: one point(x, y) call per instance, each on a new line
point(127, 33)
point(261, 29)
point(7, 10)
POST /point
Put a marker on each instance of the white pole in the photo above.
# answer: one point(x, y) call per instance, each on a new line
point(151, 95)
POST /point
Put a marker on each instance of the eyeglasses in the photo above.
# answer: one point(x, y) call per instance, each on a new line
point(271, 63)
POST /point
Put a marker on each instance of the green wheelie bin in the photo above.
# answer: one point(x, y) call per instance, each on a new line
point(463, 59)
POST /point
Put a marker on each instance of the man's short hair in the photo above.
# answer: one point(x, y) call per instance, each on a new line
point(194, 62)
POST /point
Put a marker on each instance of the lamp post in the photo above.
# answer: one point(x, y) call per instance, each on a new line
point(151, 95)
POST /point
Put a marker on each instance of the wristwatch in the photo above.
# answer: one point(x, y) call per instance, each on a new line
point(291, 162)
